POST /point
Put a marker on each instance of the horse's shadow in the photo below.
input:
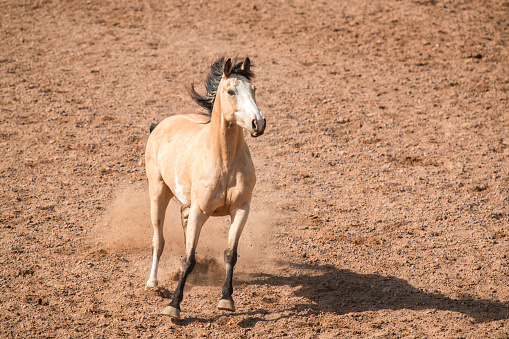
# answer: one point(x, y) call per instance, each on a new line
point(340, 291)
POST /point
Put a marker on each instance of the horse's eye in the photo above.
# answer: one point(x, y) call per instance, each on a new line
point(231, 92)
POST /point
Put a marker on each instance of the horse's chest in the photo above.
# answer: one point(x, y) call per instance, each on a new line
point(230, 194)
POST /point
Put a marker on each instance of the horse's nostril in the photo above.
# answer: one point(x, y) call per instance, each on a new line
point(254, 124)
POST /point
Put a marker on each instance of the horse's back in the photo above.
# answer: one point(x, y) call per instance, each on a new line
point(177, 126)
point(172, 141)
point(199, 118)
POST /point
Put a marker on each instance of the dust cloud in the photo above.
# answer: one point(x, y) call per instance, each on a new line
point(125, 227)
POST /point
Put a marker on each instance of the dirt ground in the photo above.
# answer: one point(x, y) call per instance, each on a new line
point(382, 202)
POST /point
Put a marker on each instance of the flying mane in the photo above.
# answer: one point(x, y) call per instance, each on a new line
point(213, 79)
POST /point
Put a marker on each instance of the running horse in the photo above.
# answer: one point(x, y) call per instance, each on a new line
point(203, 161)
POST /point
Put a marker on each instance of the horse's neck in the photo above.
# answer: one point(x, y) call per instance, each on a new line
point(225, 138)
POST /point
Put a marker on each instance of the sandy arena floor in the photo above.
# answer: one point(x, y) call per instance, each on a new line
point(382, 203)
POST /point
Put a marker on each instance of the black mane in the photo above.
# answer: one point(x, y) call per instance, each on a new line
point(213, 79)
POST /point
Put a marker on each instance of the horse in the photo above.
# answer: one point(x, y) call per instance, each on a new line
point(204, 162)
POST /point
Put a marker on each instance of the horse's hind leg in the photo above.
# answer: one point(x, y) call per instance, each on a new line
point(160, 196)
point(184, 216)
point(239, 218)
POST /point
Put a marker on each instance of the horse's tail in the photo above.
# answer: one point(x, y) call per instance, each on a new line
point(152, 127)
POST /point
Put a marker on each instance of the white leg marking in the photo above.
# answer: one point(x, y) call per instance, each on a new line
point(152, 280)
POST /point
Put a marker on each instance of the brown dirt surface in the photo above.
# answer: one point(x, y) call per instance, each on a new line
point(382, 201)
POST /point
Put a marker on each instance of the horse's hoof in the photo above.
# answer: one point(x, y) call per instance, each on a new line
point(226, 305)
point(151, 284)
point(172, 312)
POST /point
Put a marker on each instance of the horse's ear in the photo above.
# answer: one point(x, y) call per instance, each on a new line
point(246, 65)
point(227, 67)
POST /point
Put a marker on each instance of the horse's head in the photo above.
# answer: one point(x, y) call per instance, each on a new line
point(237, 98)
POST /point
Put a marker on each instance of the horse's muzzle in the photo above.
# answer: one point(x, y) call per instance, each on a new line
point(258, 127)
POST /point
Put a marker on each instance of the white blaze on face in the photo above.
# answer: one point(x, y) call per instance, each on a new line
point(179, 191)
point(247, 110)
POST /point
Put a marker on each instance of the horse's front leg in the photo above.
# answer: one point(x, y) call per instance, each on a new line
point(239, 218)
point(195, 221)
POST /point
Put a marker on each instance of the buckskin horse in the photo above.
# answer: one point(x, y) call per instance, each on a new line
point(203, 161)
